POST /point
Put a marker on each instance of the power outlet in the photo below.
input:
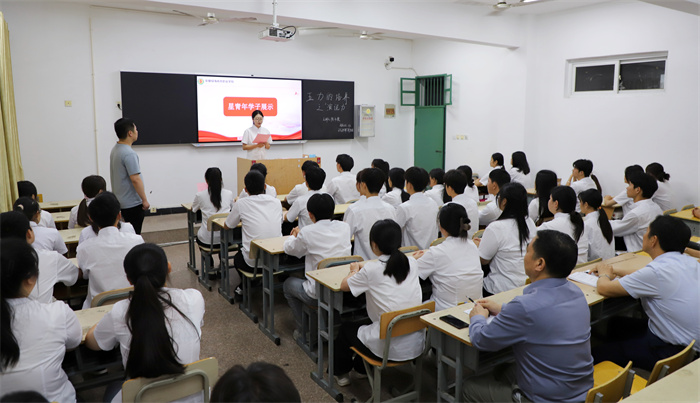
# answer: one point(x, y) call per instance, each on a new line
point(67, 103)
point(154, 210)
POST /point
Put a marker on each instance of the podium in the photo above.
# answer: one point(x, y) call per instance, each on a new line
point(282, 173)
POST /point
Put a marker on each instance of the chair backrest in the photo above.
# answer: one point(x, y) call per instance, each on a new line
point(671, 364)
point(670, 211)
point(210, 221)
point(199, 376)
point(613, 390)
point(688, 207)
point(408, 249)
point(110, 297)
point(338, 261)
point(438, 241)
point(404, 321)
point(478, 234)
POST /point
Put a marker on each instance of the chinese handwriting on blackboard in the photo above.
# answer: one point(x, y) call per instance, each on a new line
point(329, 101)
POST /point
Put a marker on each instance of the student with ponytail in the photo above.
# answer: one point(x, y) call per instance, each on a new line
point(44, 237)
point(452, 266)
point(505, 240)
point(622, 199)
point(581, 179)
point(496, 162)
point(34, 335)
point(214, 200)
point(470, 190)
point(520, 171)
point(384, 167)
point(662, 196)
point(390, 283)
point(396, 195)
point(596, 226)
point(158, 329)
point(562, 203)
point(538, 209)
point(92, 186)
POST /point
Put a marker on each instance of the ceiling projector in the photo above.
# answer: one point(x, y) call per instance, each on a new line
point(276, 34)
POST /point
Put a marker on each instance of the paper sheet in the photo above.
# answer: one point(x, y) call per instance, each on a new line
point(261, 138)
point(585, 278)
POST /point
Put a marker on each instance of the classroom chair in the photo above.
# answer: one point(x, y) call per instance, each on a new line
point(662, 368)
point(199, 376)
point(478, 234)
point(614, 388)
point(688, 207)
point(395, 324)
point(438, 241)
point(207, 253)
point(111, 297)
point(408, 249)
point(670, 211)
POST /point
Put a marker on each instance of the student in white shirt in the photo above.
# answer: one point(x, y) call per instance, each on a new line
point(632, 227)
point(45, 238)
point(437, 187)
point(520, 171)
point(158, 329)
point(597, 227)
point(496, 162)
point(538, 209)
point(362, 215)
point(256, 151)
point(455, 183)
point(581, 178)
point(342, 188)
point(625, 202)
point(89, 232)
point(53, 268)
point(390, 283)
point(35, 335)
point(214, 200)
point(384, 167)
point(269, 189)
point(505, 240)
point(320, 240)
point(417, 217)
point(300, 189)
point(260, 216)
point(92, 186)
point(396, 194)
point(663, 195)
point(314, 181)
point(102, 258)
point(490, 213)
point(27, 189)
point(562, 203)
point(453, 266)
point(470, 190)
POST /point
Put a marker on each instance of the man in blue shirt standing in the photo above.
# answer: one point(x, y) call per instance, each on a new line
point(548, 327)
point(125, 174)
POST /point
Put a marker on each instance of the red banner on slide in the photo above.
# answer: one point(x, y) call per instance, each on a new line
point(244, 106)
point(210, 137)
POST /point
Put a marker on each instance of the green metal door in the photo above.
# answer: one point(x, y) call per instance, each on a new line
point(429, 137)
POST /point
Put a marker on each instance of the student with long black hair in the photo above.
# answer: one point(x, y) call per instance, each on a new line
point(505, 240)
point(622, 199)
point(663, 195)
point(390, 283)
point(214, 200)
point(455, 185)
point(396, 194)
point(452, 266)
point(92, 186)
point(562, 203)
point(538, 210)
point(520, 172)
point(496, 162)
point(596, 226)
point(470, 190)
point(158, 329)
point(34, 335)
point(44, 237)
point(384, 167)
point(581, 178)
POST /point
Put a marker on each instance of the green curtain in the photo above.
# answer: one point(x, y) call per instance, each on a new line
point(11, 161)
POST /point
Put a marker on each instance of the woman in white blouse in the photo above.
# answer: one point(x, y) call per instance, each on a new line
point(662, 196)
point(35, 335)
point(596, 226)
point(470, 190)
point(562, 203)
point(256, 151)
point(213, 200)
point(505, 240)
point(396, 195)
point(538, 209)
point(622, 199)
point(520, 172)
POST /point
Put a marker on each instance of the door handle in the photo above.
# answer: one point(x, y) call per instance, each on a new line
point(438, 151)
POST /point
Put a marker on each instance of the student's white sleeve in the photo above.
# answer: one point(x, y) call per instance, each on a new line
point(73, 218)
point(359, 283)
point(427, 263)
point(626, 226)
point(401, 216)
point(294, 211)
point(74, 332)
point(105, 335)
point(349, 219)
point(642, 283)
point(196, 204)
point(243, 194)
point(47, 220)
point(622, 198)
point(66, 271)
point(58, 244)
point(332, 190)
point(227, 201)
point(489, 244)
point(234, 217)
point(296, 245)
point(533, 210)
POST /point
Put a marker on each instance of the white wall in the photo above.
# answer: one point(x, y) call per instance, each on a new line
point(616, 130)
point(58, 144)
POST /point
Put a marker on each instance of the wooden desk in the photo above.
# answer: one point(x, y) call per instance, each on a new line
point(610, 210)
point(680, 386)
point(61, 219)
point(89, 317)
point(691, 221)
point(227, 238)
point(453, 346)
point(70, 238)
point(340, 209)
point(266, 253)
point(64, 205)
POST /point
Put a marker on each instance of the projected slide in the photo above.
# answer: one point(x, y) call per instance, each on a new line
point(225, 105)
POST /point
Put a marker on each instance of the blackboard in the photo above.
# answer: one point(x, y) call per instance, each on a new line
point(328, 110)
